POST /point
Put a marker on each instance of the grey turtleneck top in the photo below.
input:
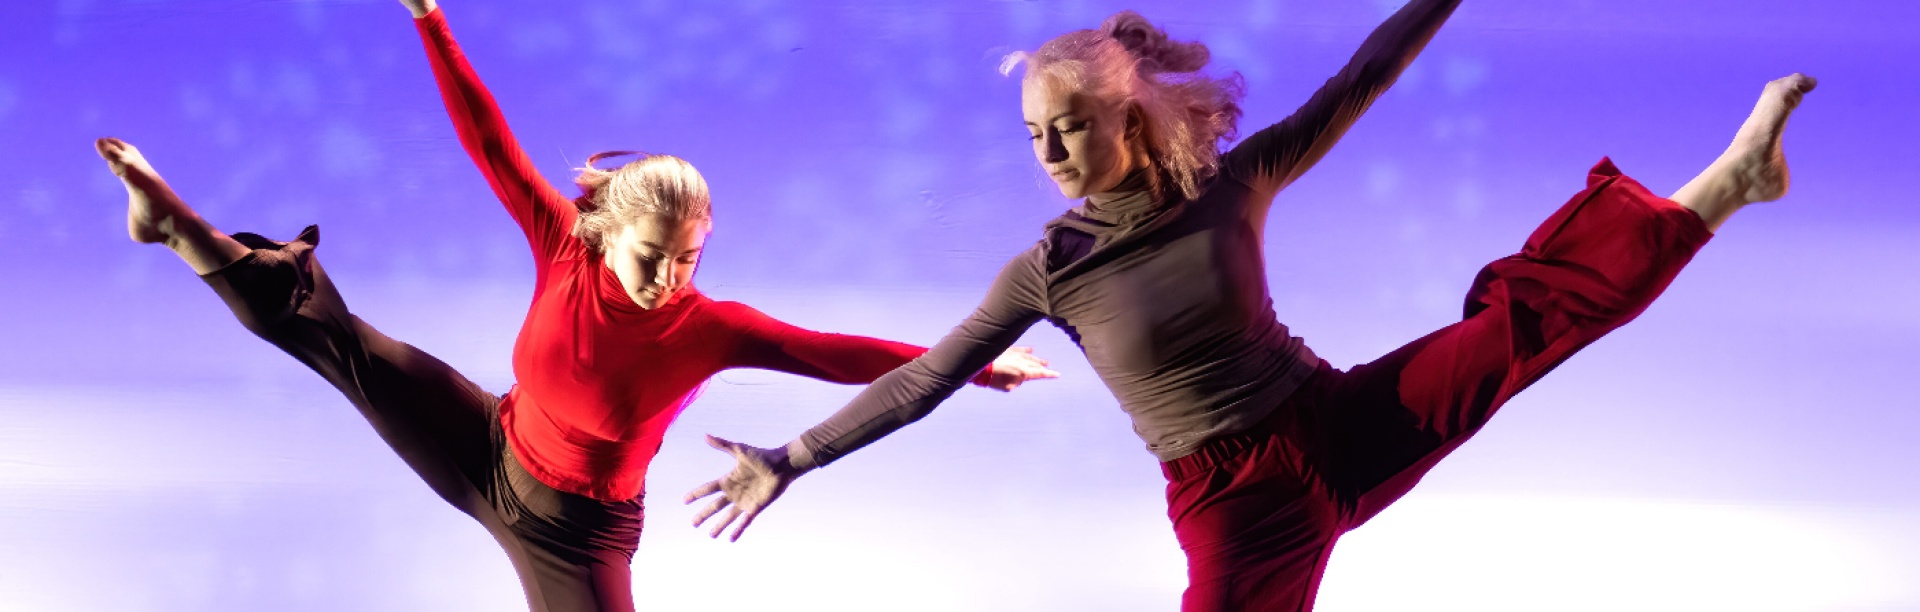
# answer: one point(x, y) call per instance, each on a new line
point(1168, 300)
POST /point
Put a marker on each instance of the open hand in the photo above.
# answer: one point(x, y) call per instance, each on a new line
point(1017, 365)
point(759, 477)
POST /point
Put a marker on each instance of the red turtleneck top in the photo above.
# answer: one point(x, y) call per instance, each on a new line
point(599, 378)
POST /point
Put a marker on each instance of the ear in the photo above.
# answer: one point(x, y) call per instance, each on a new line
point(1136, 121)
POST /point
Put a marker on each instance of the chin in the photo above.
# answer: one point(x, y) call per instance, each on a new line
point(649, 303)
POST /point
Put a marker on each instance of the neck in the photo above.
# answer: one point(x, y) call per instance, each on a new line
point(1140, 179)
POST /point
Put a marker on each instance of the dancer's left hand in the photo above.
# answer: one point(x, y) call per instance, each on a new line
point(419, 8)
point(759, 477)
point(1016, 366)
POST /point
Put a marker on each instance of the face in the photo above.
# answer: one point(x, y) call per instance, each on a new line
point(1080, 142)
point(654, 257)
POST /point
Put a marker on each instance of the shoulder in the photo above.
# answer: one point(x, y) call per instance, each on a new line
point(1227, 195)
point(1023, 280)
point(723, 309)
point(1225, 186)
point(699, 303)
point(569, 248)
point(1029, 262)
point(694, 313)
point(1235, 163)
point(728, 314)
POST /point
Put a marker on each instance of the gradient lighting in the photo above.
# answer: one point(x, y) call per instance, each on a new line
point(1747, 444)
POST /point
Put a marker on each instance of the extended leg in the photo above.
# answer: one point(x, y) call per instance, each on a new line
point(571, 552)
point(1592, 267)
point(431, 415)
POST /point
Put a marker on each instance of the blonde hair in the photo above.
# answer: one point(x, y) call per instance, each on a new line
point(1186, 112)
point(651, 185)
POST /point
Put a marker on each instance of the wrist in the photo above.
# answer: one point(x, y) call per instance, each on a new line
point(794, 458)
point(983, 378)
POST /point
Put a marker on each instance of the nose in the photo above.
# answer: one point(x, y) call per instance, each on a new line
point(666, 273)
point(1056, 151)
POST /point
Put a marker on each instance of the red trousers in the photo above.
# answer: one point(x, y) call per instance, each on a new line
point(1258, 512)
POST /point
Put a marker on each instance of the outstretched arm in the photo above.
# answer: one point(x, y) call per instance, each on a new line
point(1274, 157)
point(900, 397)
point(544, 214)
point(768, 343)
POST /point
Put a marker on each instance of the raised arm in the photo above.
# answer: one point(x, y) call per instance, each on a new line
point(902, 396)
point(768, 343)
point(1274, 157)
point(543, 214)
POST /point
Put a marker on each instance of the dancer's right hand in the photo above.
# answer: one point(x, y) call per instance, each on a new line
point(759, 477)
point(419, 8)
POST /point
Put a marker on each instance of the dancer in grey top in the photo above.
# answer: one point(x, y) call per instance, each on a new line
point(1169, 302)
point(1270, 453)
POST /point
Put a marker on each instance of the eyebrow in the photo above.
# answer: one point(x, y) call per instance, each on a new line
point(1052, 119)
point(657, 247)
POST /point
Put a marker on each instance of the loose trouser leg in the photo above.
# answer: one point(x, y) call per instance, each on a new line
point(1597, 263)
point(434, 418)
point(440, 423)
point(1346, 445)
point(1253, 517)
point(572, 552)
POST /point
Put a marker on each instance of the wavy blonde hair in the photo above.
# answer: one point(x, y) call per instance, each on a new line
point(651, 185)
point(1129, 61)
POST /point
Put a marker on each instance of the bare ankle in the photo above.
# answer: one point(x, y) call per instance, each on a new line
point(1712, 194)
point(203, 247)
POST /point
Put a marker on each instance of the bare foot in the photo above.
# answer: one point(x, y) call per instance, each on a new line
point(1754, 162)
point(151, 205)
point(1753, 168)
point(155, 214)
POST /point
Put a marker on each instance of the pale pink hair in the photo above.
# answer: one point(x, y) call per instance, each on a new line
point(1130, 61)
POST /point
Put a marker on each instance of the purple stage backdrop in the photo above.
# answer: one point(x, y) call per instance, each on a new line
point(1750, 443)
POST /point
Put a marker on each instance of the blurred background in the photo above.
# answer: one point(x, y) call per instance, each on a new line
point(1747, 444)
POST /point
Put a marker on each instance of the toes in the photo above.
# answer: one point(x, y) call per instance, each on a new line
point(1796, 83)
point(108, 148)
point(119, 155)
point(1806, 83)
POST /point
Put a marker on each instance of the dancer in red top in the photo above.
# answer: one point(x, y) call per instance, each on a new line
point(616, 342)
point(1270, 454)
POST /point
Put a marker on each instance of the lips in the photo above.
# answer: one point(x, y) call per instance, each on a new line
point(1064, 174)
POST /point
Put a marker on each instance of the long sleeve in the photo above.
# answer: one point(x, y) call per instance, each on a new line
point(913, 390)
point(768, 343)
point(1275, 156)
point(543, 214)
